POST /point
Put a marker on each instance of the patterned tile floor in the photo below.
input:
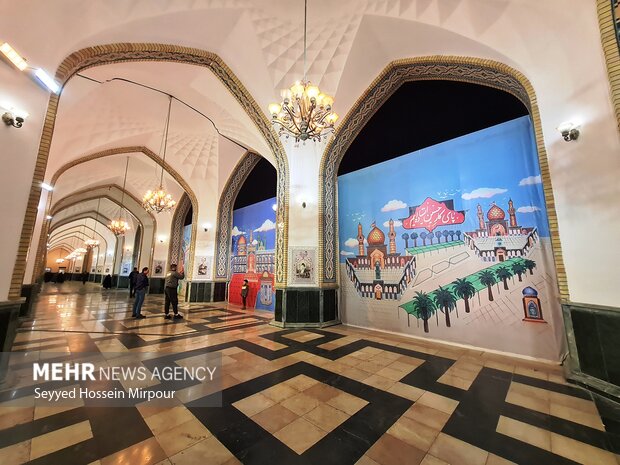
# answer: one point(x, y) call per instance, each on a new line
point(335, 396)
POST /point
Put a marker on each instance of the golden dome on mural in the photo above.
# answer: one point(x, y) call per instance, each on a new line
point(495, 213)
point(376, 236)
point(241, 240)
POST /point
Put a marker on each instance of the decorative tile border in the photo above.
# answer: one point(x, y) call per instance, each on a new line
point(464, 69)
point(224, 213)
point(609, 42)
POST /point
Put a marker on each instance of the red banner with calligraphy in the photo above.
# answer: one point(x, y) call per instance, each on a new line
point(431, 213)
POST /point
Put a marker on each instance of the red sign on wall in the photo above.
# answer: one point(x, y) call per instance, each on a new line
point(431, 213)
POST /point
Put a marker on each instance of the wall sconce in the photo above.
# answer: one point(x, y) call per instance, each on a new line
point(569, 131)
point(14, 118)
point(206, 226)
point(60, 260)
point(161, 239)
point(48, 217)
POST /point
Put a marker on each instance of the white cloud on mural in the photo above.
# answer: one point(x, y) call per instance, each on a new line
point(483, 192)
point(530, 180)
point(528, 209)
point(351, 242)
point(346, 254)
point(236, 232)
point(268, 225)
point(393, 205)
point(397, 223)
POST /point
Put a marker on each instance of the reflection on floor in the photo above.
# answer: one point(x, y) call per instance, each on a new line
point(336, 396)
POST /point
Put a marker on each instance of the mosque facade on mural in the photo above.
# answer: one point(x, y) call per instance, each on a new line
point(378, 270)
point(253, 262)
point(498, 239)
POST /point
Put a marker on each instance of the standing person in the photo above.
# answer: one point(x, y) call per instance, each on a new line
point(171, 284)
point(132, 281)
point(107, 282)
point(245, 289)
point(84, 277)
point(142, 283)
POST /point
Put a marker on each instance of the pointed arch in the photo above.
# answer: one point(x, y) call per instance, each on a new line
point(453, 68)
point(123, 52)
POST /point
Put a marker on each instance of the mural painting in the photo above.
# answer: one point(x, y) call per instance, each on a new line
point(253, 255)
point(451, 242)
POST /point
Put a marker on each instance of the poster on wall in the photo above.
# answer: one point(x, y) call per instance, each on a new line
point(452, 242)
point(202, 268)
point(159, 268)
point(126, 268)
point(303, 266)
point(253, 255)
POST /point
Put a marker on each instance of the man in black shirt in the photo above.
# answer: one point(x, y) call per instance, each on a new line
point(142, 284)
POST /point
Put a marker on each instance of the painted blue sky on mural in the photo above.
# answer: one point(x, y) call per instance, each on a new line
point(259, 218)
point(485, 167)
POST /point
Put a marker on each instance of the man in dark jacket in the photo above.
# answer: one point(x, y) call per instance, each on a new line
point(132, 281)
point(142, 284)
point(245, 289)
point(170, 289)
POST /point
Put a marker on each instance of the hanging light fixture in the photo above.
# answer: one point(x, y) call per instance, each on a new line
point(120, 226)
point(304, 113)
point(158, 200)
point(92, 243)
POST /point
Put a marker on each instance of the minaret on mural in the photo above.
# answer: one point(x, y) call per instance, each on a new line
point(511, 212)
point(251, 254)
point(392, 236)
point(481, 224)
point(360, 240)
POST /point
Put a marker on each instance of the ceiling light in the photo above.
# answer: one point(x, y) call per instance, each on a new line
point(48, 217)
point(47, 187)
point(47, 80)
point(305, 113)
point(158, 200)
point(13, 56)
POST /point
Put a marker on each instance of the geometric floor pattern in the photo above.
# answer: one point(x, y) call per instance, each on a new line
point(335, 396)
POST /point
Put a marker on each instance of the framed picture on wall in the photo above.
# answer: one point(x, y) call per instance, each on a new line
point(99, 269)
point(202, 268)
point(159, 268)
point(303, 266)
point(77, 269)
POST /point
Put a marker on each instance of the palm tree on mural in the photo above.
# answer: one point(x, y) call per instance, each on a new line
point(445, 235)
point(446, 302)
point(451, 234)
point(519, 268)
point(487, 278)
point(414, 236)
point(430, 237)
point(458, 235)
point(503, 274)
point(530, 265)
point(423, 237)
point(465, 290)
point(438, 236)
point(425, 307)
point(405, 237)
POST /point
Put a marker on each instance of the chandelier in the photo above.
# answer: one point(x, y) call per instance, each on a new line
point(119, 226)
point(158, 200)
point(304, 113)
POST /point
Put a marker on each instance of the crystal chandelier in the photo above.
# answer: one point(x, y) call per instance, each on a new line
point(158, 200)
point(119, 226)
point(305, 113)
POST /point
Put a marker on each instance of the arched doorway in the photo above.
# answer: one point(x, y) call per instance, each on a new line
point(406, 201)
